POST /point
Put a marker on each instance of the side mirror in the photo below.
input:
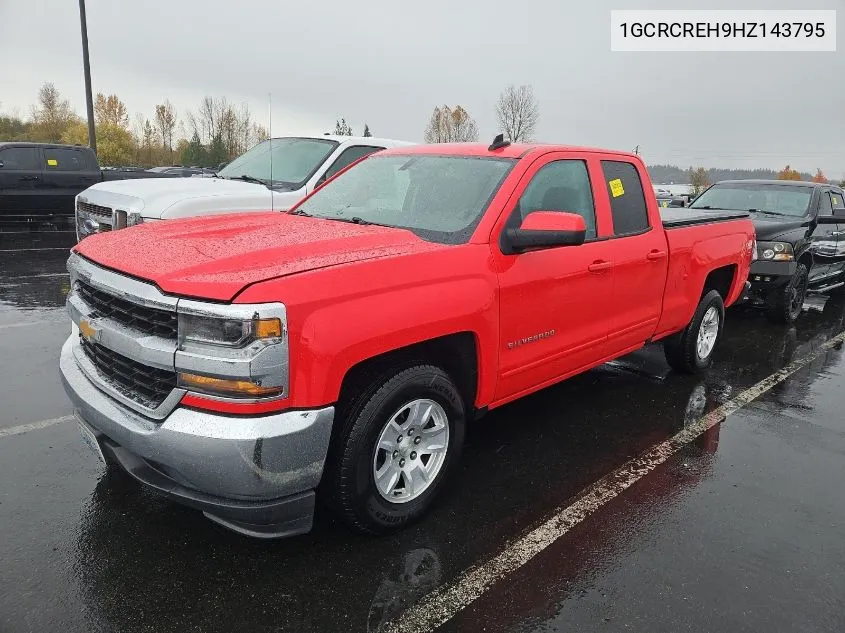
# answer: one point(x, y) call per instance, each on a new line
point(221, 166)
point(838, 217)
point(2, 164)
point(545, 229)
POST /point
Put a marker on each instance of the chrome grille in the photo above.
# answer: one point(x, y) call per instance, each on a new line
point(140, 383)
point(142, 318)
point(101, 213)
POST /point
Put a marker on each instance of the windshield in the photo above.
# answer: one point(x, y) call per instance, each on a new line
point(793, 200)
point(294, 161)
point(439, 198)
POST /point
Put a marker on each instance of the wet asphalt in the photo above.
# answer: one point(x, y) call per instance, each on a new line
point(742, 530)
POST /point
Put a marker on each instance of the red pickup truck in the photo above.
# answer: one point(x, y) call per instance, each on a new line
point(246, 365)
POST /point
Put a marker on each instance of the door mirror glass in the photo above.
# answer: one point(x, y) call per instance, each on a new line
point(1, 164)
point(545, 229)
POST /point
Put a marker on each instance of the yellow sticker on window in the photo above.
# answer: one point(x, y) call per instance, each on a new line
point(835, 201)
point(616, 188)
point(52, 162)
point(665, 203)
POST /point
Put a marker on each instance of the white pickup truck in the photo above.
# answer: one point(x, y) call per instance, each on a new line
point(258, 180)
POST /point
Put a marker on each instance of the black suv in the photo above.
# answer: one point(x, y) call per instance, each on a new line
point(800, 238)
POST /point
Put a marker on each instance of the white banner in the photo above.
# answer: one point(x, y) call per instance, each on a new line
point(729, 30)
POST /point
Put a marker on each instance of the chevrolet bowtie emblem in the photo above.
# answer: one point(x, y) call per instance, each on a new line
point(89, 332)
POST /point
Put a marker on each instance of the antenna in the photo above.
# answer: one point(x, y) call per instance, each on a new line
point(498, 143)
point(270, 140)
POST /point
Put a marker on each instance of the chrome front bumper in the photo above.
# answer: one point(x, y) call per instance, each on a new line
point(256, 475)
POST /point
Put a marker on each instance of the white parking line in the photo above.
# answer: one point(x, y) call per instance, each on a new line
point(46, 248)
point(34, 426)
point(30, 323)
point(444, 603)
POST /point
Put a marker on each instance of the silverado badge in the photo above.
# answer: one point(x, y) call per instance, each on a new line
point(89, 332)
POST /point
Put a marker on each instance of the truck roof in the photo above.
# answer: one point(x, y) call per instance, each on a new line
point(363, 140)
point(31, 144)
point(763, 181)
point(514, 150)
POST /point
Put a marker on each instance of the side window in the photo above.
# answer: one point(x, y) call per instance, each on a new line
point(64, 159)
point(20, 158)
point(562, 185)
point(349, 156)
point(838, 201)
point(627, 201)
point(825, 207)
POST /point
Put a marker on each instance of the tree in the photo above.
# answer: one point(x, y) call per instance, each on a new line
point(342, 128)
point(231, 125)
point(698, 180)
point(165, 124)
point(450, 125)
point(217, 152)
point(52, 116)
point(193, 153)
point(367, 132)
point(115, 144)
point(110, 111)
point(787, 173)
point(517, 112)
point(147, 141)
point(820, 177)
point(13, 128)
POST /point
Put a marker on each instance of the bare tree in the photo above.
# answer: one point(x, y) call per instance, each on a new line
point(52, 116)
point(450, 125)
point(165, 124)
point(517, 112)
point(220, 122)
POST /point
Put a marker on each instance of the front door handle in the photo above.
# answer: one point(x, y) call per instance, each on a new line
point(655, 255)
point(599, 266)
point(26, 178)
point(838, 233)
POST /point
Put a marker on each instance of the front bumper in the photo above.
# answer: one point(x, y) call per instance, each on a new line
point(766, 277)
point(255, 475)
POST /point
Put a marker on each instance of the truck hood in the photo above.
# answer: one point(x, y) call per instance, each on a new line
point(769, 227)
point(215, 258)
point(162, 198)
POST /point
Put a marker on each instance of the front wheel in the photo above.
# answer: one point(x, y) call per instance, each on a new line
point(691, 351)
point(398, 445)
point(784, 306)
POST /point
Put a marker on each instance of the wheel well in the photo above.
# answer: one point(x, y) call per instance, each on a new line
point(806, 259)
point(456, 354)
point(721, 280)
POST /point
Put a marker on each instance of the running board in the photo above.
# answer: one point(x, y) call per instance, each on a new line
point(830, 287)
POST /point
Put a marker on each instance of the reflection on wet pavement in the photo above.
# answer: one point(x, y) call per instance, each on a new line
point(116, 557)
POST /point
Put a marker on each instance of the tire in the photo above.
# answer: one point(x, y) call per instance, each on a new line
point(785, 306)
point(360, 452)
point(682, 350)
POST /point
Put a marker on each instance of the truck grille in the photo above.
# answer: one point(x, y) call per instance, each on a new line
point(91, 219)
point(150, 321)
point(100, 213)
point(145, 385)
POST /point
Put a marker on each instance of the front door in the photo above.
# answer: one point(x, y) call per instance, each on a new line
point(823, 243)
point(554, 303)
point(20, 172)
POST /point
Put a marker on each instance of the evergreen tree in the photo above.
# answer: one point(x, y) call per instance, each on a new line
point(367, 130)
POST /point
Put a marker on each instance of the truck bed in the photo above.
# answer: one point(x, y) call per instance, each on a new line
point(676, 217)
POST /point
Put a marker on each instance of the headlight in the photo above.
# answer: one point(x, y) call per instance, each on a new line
point(775, 251)
point(226, 332)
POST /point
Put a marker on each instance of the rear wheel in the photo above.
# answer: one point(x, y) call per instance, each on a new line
point(691, 350)
point(784, 306)
point(400, 440)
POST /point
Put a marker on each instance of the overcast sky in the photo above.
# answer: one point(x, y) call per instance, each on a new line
point(388, 63)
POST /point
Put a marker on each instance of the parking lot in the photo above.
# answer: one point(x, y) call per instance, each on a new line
point(616, 501)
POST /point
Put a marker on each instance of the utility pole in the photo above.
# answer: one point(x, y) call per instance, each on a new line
point(92, 138)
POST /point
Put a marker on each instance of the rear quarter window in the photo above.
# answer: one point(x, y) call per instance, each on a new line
point(627, 199)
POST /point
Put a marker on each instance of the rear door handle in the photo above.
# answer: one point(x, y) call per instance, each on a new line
point(655, 255)
point(25, 178)
point(599, 266)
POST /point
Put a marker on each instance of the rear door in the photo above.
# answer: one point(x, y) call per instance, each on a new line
point(67, 171)
point(640, 257)
point(20, 173)
point(554, 303)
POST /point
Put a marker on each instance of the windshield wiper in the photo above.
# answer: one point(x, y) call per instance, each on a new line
point(247, 178)
point(302, 213)
point(767, 212)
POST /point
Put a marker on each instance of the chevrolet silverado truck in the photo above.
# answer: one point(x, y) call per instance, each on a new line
point(273, 175)
point(248, 365)
point(801, 232)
